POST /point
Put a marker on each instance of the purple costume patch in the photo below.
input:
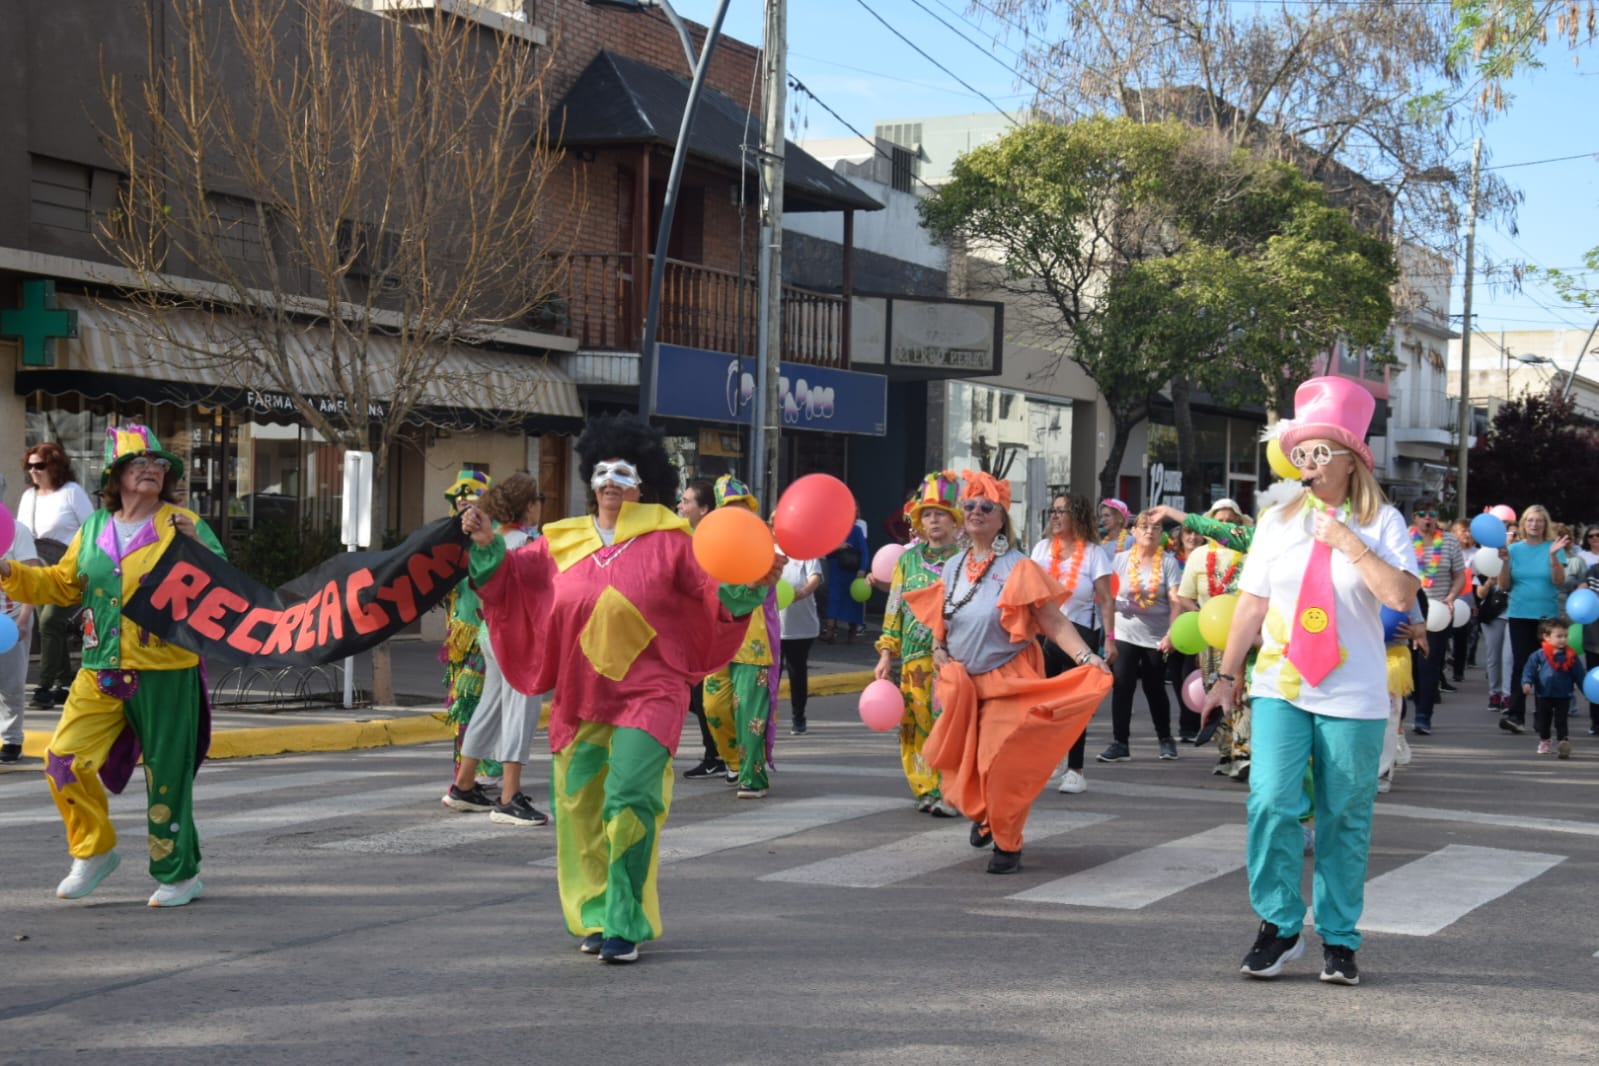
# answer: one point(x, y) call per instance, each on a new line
point(58, 768)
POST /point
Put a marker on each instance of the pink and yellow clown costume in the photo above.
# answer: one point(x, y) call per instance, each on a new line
point(740, 697)
point(907, 639)
point(618, 632)
point(134, 693)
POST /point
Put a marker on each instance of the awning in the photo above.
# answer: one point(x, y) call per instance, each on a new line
point(617, 100)
point(193, 357)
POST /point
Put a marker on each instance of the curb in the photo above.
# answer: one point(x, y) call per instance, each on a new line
point(390, 732)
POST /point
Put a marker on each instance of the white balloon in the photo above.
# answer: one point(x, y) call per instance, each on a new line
point(1462, 612)
point(1438, 616)
point(1486, 562)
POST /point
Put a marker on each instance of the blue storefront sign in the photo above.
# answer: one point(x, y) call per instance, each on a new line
point(717, 387)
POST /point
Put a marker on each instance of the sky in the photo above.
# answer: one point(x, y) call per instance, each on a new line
point(857, 67)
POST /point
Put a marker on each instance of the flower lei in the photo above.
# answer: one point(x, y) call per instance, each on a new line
point(1072, 575)
point(1218, 588)
point(1565, 662)
point(1135, 578)
point(1428, 559)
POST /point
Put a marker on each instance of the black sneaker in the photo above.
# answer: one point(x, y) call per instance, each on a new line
point(13, 752)
point(1117, 752)
point(60, 693)
point(1340, 968)
point(1271, 952)
point(1445, 684)
point(707, 769)
point(1168, 748)
point(797, 728)
point(1422, 729)
point(43, 697)
point(591, 944)
point(1510, 725)
point(729, 777)
point(472, 799)
point(615, 949)
point(519, 811)
point(1005, 862)
point(980, 837)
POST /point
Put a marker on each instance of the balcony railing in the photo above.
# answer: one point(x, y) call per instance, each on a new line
point(700, 308)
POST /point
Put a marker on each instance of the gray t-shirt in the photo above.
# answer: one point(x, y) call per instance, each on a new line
point(976, 639)
point(1451, 561)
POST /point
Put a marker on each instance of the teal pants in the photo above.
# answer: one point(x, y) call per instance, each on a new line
point(1284, 741)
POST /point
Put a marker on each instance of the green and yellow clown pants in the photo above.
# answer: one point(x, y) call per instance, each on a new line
point(164, 713)
point(611, 788)
point(916, 685)
point(738, 708)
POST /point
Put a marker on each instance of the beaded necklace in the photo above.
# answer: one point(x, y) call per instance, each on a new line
point(933, 559)
point(1218, 588)
point(951, 609)
point(1069, 582)
point(1428, 559)
point(1135, 577)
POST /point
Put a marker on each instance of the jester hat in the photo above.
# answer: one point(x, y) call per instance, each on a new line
point(125, 442)
point(940, 489)
point(468, 483)
point(730, 489)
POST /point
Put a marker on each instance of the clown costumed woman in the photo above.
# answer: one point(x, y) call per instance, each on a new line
point(612, 613)
point(935, 517)
point(740, 696)
point(134, 692)
point(1003, 726)
point(1318, 572)
point(462, 655)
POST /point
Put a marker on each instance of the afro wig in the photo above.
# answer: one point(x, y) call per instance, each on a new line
point(629, 437)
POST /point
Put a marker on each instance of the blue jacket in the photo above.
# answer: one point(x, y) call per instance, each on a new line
point(1548, 682)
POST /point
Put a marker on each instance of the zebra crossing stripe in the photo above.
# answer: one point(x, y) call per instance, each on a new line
point(266, 819)
point(446, 832)
point(763, 822)
point(1147, 876)
point(918, 855)
point(1437, 890)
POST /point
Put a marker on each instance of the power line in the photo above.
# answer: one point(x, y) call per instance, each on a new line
point(799, 86)
point(889, 77)
point(986, 52)
point(919, 51)
point(1541, 162)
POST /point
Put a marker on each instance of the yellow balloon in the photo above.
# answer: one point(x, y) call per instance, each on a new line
point(1278, 460)
point(1216, 618)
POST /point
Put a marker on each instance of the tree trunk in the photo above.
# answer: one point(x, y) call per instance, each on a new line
point(1122, 426)
point(382, 676)
point(1187, 453)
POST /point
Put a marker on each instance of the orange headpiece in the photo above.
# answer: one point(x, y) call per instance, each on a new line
point(981, 483)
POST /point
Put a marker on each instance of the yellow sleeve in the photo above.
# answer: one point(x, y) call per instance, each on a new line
point(40, 585)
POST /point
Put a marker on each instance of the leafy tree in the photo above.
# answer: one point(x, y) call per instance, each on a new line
point(1536, 450)
point(1499, 37)
point(1148, 252)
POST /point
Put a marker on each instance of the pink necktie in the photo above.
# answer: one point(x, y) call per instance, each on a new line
point(1313, 642)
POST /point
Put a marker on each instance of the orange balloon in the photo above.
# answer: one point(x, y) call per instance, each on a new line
point(733, 545)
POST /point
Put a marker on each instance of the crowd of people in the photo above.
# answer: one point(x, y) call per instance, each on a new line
point(1351, 626)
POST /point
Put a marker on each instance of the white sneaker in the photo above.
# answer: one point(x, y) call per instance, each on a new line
point(86, 875)
point(1402, 751)
point(176, 895)
point(941, 809)
point(1310, 836)
point(1073, 782)
point(1385, 781)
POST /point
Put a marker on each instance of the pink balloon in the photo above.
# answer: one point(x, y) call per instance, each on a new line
point(882, 706)
point(1194, 691)
point(8, 528)
point(885, 560)
point(1503, 511)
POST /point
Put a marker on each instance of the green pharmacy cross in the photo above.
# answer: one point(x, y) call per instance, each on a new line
point(38, 321)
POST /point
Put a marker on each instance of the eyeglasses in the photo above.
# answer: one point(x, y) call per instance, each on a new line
point(38, 466)
point(986, 506)
point(1426, 512)
point(1319, 454)
point(1592, 533)
point(1058, 512)
point(141, 462)
point(1145, 527)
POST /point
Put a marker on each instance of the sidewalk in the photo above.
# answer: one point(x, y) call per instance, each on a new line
point(416, 717)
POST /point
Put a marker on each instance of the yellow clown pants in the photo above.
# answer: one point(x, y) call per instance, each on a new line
point(611, 789)
point(916, 685)
point(165, 715)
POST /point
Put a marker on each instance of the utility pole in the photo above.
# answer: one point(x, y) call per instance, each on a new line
point(769, 283)
point(1463, 422)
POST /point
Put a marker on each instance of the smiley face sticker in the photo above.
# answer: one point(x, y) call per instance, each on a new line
point(1314, 620)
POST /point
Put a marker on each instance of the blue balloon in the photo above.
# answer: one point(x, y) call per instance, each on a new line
point(1582, 606)
point(1488, 530)
point(8, 633)
point(1392, 620)
point(1590, 686)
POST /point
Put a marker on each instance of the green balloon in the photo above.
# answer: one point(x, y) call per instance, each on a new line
point(1574, 636)
point(1185, 634)
point(785, 594)
point(859, 590)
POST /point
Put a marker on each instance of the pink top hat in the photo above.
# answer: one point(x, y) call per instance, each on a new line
point(1335, 409)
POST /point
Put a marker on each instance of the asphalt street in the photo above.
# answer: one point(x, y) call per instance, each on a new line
point(350, 918)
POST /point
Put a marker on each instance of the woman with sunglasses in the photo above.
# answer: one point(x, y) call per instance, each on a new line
point(1003, 726)
point(1534, 574)
point(1318, 572)
point(1072, 555)
point(1442, 566)
point(134, 693)
point(53, 506)
point(1147, 577)
point(1589, 548)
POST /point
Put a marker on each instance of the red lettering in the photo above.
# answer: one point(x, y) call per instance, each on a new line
point(402, 597)
point(217, 602)
point(281, 639)
point(366, 619)
point(332, 617)
point(307, 634)
point(179, 589)
point(240, 637)
point(442, 562)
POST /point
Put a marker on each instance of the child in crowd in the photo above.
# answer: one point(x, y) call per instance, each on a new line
point(1551, 675)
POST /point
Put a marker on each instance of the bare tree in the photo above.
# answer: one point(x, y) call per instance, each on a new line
point(343, 198)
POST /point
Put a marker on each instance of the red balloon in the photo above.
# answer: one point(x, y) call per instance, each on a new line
point(813, 516)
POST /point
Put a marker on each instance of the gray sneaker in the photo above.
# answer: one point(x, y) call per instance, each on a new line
point(1115, 752)
point(1168, 748)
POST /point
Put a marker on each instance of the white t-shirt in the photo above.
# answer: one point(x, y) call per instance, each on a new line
point(798, 620)
point(1144, 624)
point(57, 515)
point(1095, 565)
point(1358, 686)
point(21, 550)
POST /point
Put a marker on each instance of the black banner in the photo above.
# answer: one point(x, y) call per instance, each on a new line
point(197, 600)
